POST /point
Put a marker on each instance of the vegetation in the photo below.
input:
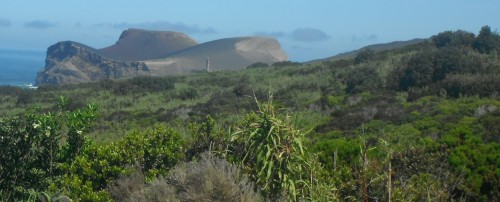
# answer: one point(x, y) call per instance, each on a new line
point(413, 124)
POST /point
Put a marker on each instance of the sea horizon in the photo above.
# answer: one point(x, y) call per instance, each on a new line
point(20, 67)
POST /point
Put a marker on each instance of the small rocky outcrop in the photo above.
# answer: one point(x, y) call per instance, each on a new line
point(72, 62)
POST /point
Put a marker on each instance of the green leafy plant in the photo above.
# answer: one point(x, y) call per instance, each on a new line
point(31, 148)
point(272, 152)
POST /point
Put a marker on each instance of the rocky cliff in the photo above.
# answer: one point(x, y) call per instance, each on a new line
point(72, 62)
point(142, 52)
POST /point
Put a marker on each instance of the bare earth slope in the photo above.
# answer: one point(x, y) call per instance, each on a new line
point(223, 54)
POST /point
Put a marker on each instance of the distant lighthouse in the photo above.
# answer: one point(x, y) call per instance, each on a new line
point(207, 64)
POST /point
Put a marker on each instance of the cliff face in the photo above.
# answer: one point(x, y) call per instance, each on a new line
point(155, 53)
point(72, 62)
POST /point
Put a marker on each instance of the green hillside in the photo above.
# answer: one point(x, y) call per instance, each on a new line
point(418, 123)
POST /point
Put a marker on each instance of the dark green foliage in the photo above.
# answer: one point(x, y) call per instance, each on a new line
point(471, 84)
point(453, 54)
point(242, 90)
point(487, 41)
point(364, 55)
point(285, 64)
point(419, 71)
point(361, 79)
point(25, 97)
point(141, 84)
point(454, 38)
point(258, 65)
point(10, 90)
point(356, 110)
point(227, 101)
point(450, 60)
point(188, 94)
point(206, 137)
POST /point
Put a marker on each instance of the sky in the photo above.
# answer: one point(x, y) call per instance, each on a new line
point(306, 30)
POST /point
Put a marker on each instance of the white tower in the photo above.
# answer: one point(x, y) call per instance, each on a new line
point(207, 64)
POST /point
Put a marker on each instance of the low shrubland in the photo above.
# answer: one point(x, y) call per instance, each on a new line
point(411, 124)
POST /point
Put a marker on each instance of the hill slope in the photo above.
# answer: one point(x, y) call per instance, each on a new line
point(137, 44)
point(224, 54)
point(374, 47)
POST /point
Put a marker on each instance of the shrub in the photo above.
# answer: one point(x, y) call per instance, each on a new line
point(188, 94)
point(258, 65)
point(209, 179)
point(285, 64)
point(31, 149)
point(364, 55)
point(155, 151)
point(363, 79)
point(271, 151)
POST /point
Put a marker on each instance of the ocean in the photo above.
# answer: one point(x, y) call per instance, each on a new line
point(19, 67)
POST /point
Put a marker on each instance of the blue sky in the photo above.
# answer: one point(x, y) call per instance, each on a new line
point(306, 29)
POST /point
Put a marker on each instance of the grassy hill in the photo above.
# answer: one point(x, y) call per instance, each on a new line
point(422, 118)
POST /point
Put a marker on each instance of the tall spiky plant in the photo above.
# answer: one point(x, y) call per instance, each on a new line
point(272, 152)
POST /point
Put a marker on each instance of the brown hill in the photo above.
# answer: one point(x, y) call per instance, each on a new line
point(138, 44)
point(223, 54)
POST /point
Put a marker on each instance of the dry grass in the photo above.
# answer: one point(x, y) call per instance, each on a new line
point(209, 179)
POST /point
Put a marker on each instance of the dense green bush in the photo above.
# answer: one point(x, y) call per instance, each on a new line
point(453, 38)
point(155, 151)
point(483, 85)
point(361, 79)
point(487, 41)
point(258, 65)
point(141, 84)
point(364, 55)
point(285, 64)
point(31, 148)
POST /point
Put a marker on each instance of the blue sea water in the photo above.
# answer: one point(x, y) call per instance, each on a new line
point(19, 67)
